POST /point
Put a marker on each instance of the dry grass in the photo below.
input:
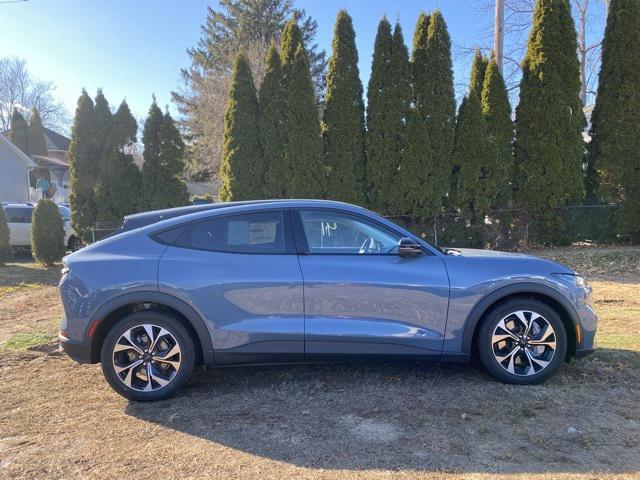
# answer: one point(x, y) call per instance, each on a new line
point(61, 420)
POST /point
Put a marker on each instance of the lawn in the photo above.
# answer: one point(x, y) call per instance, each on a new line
point(61, 420)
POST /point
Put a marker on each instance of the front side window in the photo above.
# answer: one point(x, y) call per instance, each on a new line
point(261, 232)
point(337, 233)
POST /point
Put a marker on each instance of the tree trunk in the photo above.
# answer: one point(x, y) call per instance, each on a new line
point(498, 33)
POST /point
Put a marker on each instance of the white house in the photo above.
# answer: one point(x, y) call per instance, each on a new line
point(54, 161)
point(14, 172)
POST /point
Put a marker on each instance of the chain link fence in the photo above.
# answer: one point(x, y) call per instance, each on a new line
point(514, 229)
point(103, 229)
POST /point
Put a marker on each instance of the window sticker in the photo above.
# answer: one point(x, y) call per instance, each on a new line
point(262, 232)
point(251, 233)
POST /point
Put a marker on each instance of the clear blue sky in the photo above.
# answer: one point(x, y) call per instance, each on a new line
point(135, 48)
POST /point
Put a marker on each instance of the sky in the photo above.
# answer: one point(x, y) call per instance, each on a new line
point(133, 49)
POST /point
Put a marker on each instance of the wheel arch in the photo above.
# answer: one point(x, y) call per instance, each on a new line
point(527, 290)
point(114, 310)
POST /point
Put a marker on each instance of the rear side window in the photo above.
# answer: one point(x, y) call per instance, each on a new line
point(18, 215)
point(260, 232)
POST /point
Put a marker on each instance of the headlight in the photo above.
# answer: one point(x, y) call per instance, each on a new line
point(573, 279)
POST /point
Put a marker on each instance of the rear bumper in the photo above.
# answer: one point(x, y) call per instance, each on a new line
point(78, 351)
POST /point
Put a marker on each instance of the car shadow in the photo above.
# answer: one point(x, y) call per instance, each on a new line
point(417, 416)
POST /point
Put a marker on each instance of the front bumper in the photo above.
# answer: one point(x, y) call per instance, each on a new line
point(78, 351)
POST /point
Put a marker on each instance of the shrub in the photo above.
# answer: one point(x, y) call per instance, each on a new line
point(47, 233)
point(5, 249)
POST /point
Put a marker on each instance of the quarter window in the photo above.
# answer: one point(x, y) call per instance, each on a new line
point(261, 232)
point(337, 233)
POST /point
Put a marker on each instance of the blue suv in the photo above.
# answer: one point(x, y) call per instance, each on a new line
point(306, 281)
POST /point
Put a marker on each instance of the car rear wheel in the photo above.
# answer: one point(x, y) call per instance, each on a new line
point(147, 356)
point(523, 341)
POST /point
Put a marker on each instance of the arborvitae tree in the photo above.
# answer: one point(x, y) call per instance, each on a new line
point(36, 146)
point(83, 168)
point(420, 63)
point(242, 168)
point(124, 129)
point(407, 133)
point(549, 149)
point(271, 103)
point(382, 157)
point(37, 143)
point(496, 110)
point(303, 151)
point(343, 118)
point(475, 159)
point(102, 122)
point(5, 247)
point(411, 186)
point(435, 99)
point(47, 233)
point(163, 162)
point(615, 123)
point(478, 70)
point(19, 132)
point(120, 182)
point(290, 41)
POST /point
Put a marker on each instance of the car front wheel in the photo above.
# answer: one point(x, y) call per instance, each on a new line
point(147, 356)
point(523, 341)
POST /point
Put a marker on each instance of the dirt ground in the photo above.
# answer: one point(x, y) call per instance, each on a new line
point(61, 420)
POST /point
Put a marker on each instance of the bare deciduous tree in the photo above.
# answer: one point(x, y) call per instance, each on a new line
point(589, 15)
point(18, 89)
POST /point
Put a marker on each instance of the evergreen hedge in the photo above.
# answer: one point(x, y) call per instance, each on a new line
point(242, 167)
point(615, 127)
point(343, 118)
point(549, 150)
point(5, 247)
point(47, 233)
point(271, 103)
point(83, 168)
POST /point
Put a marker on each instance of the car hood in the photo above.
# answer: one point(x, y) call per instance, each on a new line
point(476, 252)
point(504, 261)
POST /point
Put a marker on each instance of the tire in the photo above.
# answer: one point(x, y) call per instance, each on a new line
point(514, 358)
point(74, 243)
point(126, 344)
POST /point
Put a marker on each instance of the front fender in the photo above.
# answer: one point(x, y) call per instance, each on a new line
point(481, 307)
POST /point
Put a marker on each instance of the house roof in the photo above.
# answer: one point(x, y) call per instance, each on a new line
point(17, 152)
point(55, 141)
point(51, 163)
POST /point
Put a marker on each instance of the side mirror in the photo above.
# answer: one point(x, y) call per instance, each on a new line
point(408, 247)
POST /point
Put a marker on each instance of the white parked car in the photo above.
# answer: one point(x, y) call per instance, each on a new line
point(19, 222)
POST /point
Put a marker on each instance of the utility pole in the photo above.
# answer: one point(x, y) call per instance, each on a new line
point(498, 34)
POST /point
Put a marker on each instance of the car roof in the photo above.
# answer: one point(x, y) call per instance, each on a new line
point(25, 205)
point(18, 204)
point(137, 220)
